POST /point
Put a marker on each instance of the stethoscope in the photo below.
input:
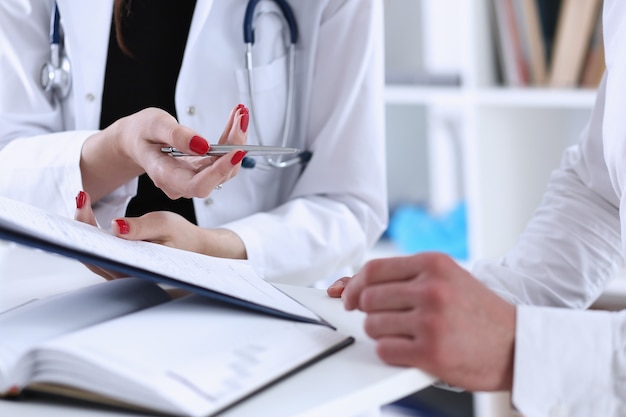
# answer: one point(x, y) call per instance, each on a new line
point(248, 38)
point(56, 77)
point(55, 74)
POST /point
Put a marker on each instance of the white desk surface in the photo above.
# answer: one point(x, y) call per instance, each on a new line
point(347, 383)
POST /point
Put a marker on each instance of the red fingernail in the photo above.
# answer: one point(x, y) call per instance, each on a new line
point(240, 106)
point(80, 199)
point(123, 226)
point(237, 157)
point(199, 145)
point(245, 119)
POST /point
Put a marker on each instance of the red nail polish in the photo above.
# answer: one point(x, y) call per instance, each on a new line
point(199, 145)
point(237, 157)
point(123, 226)
point(245, 119)
point(81, 198)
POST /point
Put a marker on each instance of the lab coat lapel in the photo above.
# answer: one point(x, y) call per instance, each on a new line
point(200, 15)
point(87, 26)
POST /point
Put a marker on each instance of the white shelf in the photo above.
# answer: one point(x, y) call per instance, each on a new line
point(491, 96)
point(537, 97)
point(494, 146)
point(411, 94)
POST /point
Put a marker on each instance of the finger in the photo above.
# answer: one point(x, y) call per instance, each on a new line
point(389, 269)
point(161, 128)
point(188, 183)
point(235, 132)
point(400, 351)
point(373, 272)
point(336, 288)
point(417, 352)
point(104, 273)
point(399, 324)
point(390, 296)
point(156, 226)
point(226, 167)
point(180, 178)
point(230, 123)
point(84, 211)
point(165, 127)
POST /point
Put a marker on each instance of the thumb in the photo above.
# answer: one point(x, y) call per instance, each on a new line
point(157, 226)
point(84, 211)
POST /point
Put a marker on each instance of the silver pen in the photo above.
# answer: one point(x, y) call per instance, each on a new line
point(217, 150)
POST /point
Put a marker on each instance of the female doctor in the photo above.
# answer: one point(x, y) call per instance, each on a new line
point(308, 221)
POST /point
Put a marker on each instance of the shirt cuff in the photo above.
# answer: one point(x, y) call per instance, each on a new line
point(564, 362)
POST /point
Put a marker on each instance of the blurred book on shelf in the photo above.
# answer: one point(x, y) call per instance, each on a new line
point(531, 39)
point(593, 67)
point(513, 63)
point(549, 43)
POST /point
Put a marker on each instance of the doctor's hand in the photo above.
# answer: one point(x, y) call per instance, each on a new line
point(427, 312)
point(165, 228)
point(132, 145)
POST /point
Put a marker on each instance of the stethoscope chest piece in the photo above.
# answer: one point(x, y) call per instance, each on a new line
point(57, 77)
point(55, 74)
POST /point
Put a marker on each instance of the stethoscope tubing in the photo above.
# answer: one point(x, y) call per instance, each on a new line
point(248, 21)
point(248, 35)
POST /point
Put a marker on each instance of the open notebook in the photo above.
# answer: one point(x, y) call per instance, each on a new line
point(126, 342)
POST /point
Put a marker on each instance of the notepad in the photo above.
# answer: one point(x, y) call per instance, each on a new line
point(230, 280)
point(128, 343)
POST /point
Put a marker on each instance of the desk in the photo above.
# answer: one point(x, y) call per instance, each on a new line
point(349, 382)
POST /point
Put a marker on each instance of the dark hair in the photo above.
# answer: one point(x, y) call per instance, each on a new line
point(120, 12)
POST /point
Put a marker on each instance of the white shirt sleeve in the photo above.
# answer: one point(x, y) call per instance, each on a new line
point(572, 246)
point(50, 178)
point(568, 362)
point(38, 166)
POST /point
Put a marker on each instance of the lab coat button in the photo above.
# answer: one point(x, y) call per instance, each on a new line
point(191, 110)
point(90, 97)
point(208, 201)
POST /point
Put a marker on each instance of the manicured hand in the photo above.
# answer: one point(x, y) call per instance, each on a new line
point(165, 228)
point(171, 229)
point(132, 146)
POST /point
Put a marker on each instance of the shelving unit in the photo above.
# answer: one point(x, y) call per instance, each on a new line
point(510, 138)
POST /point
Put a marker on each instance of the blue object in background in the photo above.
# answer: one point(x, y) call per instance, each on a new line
point(413, 229)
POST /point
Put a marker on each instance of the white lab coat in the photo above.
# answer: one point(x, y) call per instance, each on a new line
point(570, 362)
point(297, 228)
